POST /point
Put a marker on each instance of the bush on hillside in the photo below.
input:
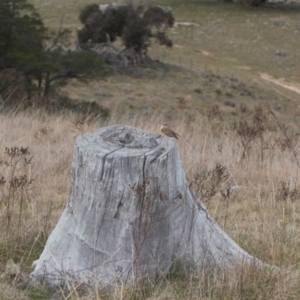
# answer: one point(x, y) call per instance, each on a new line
point(134, 26)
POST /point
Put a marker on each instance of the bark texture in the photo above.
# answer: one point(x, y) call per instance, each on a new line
point(130, 214)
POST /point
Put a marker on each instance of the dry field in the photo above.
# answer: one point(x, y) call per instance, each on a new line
point(252, 192)
point(247, 174)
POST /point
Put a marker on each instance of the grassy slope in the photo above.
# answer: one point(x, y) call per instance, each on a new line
point(206, 67)
point(232, 40)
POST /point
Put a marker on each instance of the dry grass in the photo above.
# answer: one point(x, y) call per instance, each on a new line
point(255, 198)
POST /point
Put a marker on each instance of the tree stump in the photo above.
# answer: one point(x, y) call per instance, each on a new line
point(130, 215)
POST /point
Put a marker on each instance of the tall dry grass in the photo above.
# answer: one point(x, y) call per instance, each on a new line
point(245, 173)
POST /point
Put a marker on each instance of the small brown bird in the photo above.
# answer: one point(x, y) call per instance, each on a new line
point(171, 133)
point(168, 131)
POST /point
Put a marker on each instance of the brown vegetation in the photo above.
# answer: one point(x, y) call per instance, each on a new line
point(251, 189)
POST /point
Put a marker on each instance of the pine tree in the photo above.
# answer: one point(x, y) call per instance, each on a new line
point(39, 58)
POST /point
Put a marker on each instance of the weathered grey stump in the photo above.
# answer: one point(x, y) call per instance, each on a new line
point(130, 214)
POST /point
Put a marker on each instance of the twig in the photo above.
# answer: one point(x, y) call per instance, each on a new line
point(286, 136)
point(55, 41)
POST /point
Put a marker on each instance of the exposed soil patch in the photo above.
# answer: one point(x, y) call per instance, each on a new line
point(207, 53)
point(281, 82)
point(243, 67)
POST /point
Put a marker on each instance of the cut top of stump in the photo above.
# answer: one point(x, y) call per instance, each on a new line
point(120, 140)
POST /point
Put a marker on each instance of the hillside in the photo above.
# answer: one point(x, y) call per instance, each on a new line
point(234, 54)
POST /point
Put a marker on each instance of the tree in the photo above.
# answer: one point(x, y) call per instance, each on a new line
point(39, 57)
point(131, 215)
point(132, 24)
point(60, 64)
point(22, 32)
point(256, 2)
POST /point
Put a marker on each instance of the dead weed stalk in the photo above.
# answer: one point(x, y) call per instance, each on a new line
point(15, 180)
